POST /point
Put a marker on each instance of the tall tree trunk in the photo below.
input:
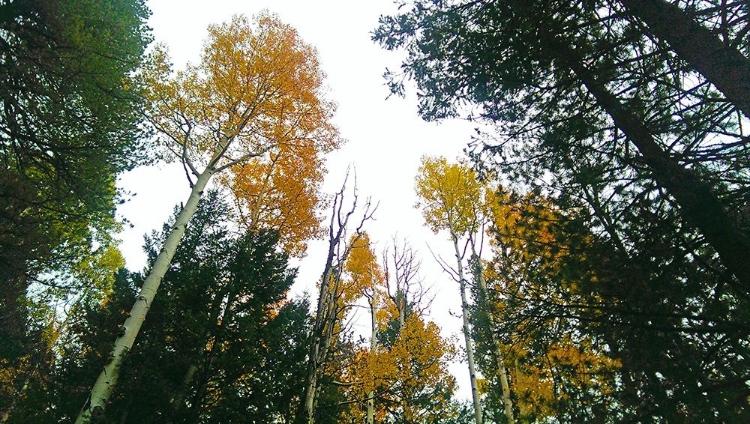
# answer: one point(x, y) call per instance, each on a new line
point(105, 383)
point(467, 336)
point(700, 205)
point(321, 339)
point(723, 66)
point(328, 311)
point(497, 353)
point(373, 346)
point(306, 412)
point(179, 397)
point(219, 317)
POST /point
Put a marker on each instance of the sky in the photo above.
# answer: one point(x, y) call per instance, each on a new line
point(385, 136)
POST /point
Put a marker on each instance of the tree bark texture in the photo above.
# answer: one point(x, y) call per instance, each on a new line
point(321, 335)
point(107, 380)
point(499, 360)
point(723, 66)
point(467, 336)
point(373, 345)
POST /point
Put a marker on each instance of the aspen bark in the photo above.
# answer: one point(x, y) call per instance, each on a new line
point(322, 332)
point(467, 336)
point(107, 380)
point(373, 345)
point(499, 360)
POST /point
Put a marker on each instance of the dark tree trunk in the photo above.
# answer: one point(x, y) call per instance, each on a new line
point(700, 206)
point(726, 68)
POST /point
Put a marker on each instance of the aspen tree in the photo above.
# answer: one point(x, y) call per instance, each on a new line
point(257, 89)
point(448, 196)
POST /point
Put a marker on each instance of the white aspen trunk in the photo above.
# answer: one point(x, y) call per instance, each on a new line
point(373, 345)
point(216, 313)
point(179, 398)
point(310, 398)
point(507, 403)
point(467, 336)
point(107, 379)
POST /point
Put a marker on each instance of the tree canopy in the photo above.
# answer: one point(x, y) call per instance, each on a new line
point(597, 224)
point(596, 107)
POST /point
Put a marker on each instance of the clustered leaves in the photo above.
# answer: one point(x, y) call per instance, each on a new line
point(624, 162)
point(614, 192)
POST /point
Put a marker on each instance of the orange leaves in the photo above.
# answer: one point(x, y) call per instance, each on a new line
point(417, 364)
point(282, 191)
point(260, 80)
point(566, 368)
point(362, 266)
point(532, 233)
point(254, 104)
point(410, 377)
point(421, 353)
point(539, 268)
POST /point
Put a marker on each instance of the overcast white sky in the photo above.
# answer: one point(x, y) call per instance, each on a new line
point(386, 138)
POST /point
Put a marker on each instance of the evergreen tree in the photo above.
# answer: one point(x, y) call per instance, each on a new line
point(223, 343)
point(611, 124)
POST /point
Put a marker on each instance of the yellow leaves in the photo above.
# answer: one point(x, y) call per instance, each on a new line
point(450, 196)
point(529, 229)
point(534, 392)
point(255, 100)
point(11, 373)
point(566, 367)
point(404, 374)
point(362, 265)
point(419, 347)
point(98, 269)
point(281, 191)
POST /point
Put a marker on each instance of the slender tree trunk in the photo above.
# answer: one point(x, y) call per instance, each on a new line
point(723, 66)
point(467, 336)
point(318, 347)
point(105, 383)
point(327, 313)
point(401, 314)
point(499, 360)
point(373, 346)
point(306, 413)
point(179, 397)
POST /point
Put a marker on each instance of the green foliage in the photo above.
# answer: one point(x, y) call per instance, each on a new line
point(68, 125)
point(70, 115)
point(222, 343)
point(649, 163)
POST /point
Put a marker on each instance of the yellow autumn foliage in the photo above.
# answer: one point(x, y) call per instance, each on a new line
point(533, 252)
point(566, 367)
point(362, 265)
point(257, 94)
point(410, 378)
point(450, 196)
